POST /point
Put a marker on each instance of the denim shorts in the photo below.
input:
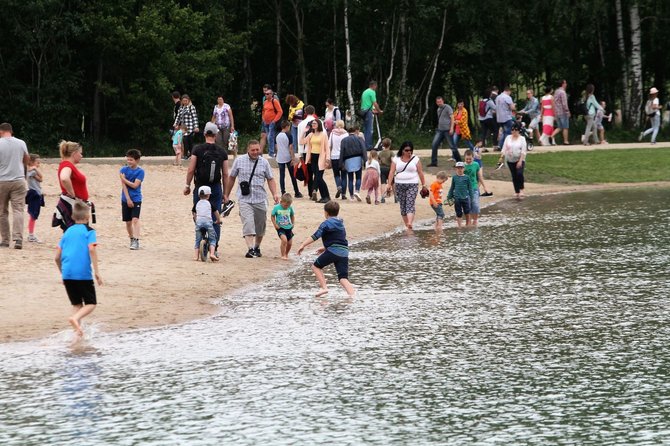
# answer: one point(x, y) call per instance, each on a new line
point(474, 202)
point(461, 207)
point(563, 122)
point(439, 212)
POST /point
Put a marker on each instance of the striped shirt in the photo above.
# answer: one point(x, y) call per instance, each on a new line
point(241, 170)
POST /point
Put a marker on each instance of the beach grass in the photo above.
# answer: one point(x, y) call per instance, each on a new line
point(587, 167)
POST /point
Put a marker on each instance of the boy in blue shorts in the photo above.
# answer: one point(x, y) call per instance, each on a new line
point(460, 191)
point(283, 219)
point(131, 196)
point(335, 249)
point(74, 257)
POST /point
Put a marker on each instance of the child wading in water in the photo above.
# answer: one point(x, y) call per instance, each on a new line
point(74, 257)
point(371, 176)
point(34, 197)
point(436, 198)
point(132, 177)
point(335, 249)
point(473, 171)
point(283, 219)
point(202, 215)
point(460, 192)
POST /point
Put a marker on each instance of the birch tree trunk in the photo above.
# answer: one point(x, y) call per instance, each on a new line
point(635, 65)
point(395, 32)
point(97, 115)
point(625, 97)
point(432, 76)
point(278, 44)
point(335, 82)
point(400, 110)
point(300, 44)
point(348, 50)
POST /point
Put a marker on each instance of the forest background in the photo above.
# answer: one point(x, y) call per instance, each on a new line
point(102, 72)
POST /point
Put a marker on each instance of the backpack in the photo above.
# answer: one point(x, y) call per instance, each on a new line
point(649, 108)
point(482, 107)
point(208, 169)
point(580, 108)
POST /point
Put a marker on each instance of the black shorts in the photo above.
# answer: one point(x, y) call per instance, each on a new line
point(341, 263)
point(127, 214)
point(384, 174)
point(287, 232)
point(80, 291)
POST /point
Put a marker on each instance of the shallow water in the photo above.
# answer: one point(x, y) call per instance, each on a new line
point(548, 324)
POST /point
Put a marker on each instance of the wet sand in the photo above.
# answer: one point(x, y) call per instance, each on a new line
point(160, 284)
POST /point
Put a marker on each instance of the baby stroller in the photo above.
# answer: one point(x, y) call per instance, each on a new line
point(526, 133)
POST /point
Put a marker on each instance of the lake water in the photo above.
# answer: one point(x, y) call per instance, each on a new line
point(549, 324)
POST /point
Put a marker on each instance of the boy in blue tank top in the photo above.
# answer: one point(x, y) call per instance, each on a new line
point(335, 249)
point(74, 257)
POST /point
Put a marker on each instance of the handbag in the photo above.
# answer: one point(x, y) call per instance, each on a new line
point(245, 186)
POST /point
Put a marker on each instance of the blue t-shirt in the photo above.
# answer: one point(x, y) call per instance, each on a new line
point(132, 175)
point(334, 236)
point(283, 216)
point(75, 258)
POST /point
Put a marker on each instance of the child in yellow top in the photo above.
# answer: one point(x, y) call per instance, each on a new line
point(436, 198)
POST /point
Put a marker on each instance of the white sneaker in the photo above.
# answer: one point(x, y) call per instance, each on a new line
point(639, 138)
point(358, 197)
point(135, 244)
point(33, 239)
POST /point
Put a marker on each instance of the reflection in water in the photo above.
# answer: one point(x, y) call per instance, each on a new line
point(548, 324)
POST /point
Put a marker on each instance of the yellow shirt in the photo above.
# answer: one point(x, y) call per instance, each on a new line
point(315, 142)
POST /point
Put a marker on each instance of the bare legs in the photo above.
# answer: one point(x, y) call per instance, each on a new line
point(78, 313)
point(285, 246)
point(321, 278)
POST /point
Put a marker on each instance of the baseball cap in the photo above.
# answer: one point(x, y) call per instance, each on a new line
point(459, 164)
point(205, 190)
point(211, 128)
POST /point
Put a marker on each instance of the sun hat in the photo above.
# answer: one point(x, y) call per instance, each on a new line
point(653, 90)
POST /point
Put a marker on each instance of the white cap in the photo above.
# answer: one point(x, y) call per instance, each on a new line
point(205, 190)
point(210, 127)
point(459, 164)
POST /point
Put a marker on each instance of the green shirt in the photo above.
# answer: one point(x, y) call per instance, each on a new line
point(460, 187)
point(283, 216)
point(368, 98)
point(471, 171)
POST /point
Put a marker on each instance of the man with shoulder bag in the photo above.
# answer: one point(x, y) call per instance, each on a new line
point(208, 166)
point(252, 171)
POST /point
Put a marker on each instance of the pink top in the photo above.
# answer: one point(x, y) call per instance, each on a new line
point(547, 106)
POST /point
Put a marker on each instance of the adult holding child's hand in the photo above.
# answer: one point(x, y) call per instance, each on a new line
point(404, 176)
point(72, 183)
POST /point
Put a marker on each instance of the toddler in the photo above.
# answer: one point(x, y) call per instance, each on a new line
point(436, 198)
point(283, 219)
point(202, 215)
point(371, 176)
point(178, 144)
point(34, 197)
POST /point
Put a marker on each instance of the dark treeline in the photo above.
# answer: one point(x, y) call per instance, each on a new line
point(103, 71)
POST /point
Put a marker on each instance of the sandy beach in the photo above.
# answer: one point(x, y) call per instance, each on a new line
point(160, 284)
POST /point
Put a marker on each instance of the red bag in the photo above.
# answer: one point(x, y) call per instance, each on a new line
point(300, 172)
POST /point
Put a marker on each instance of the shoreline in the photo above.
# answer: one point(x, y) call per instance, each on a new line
point(34, 304)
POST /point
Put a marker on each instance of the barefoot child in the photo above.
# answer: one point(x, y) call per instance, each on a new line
point(283, 219)
point(202, 215)
point(178, 144)
point(385, 159)
point(473, 171)
point(74, 257)
point(436, 198)
point(371, 176)
point(335, 249)
point(460, 192)
point(132, 177)
point(34, 197)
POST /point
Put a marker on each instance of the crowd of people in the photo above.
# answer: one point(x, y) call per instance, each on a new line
point(306, 146)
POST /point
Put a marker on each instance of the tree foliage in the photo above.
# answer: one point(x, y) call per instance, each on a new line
point(102, 71)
